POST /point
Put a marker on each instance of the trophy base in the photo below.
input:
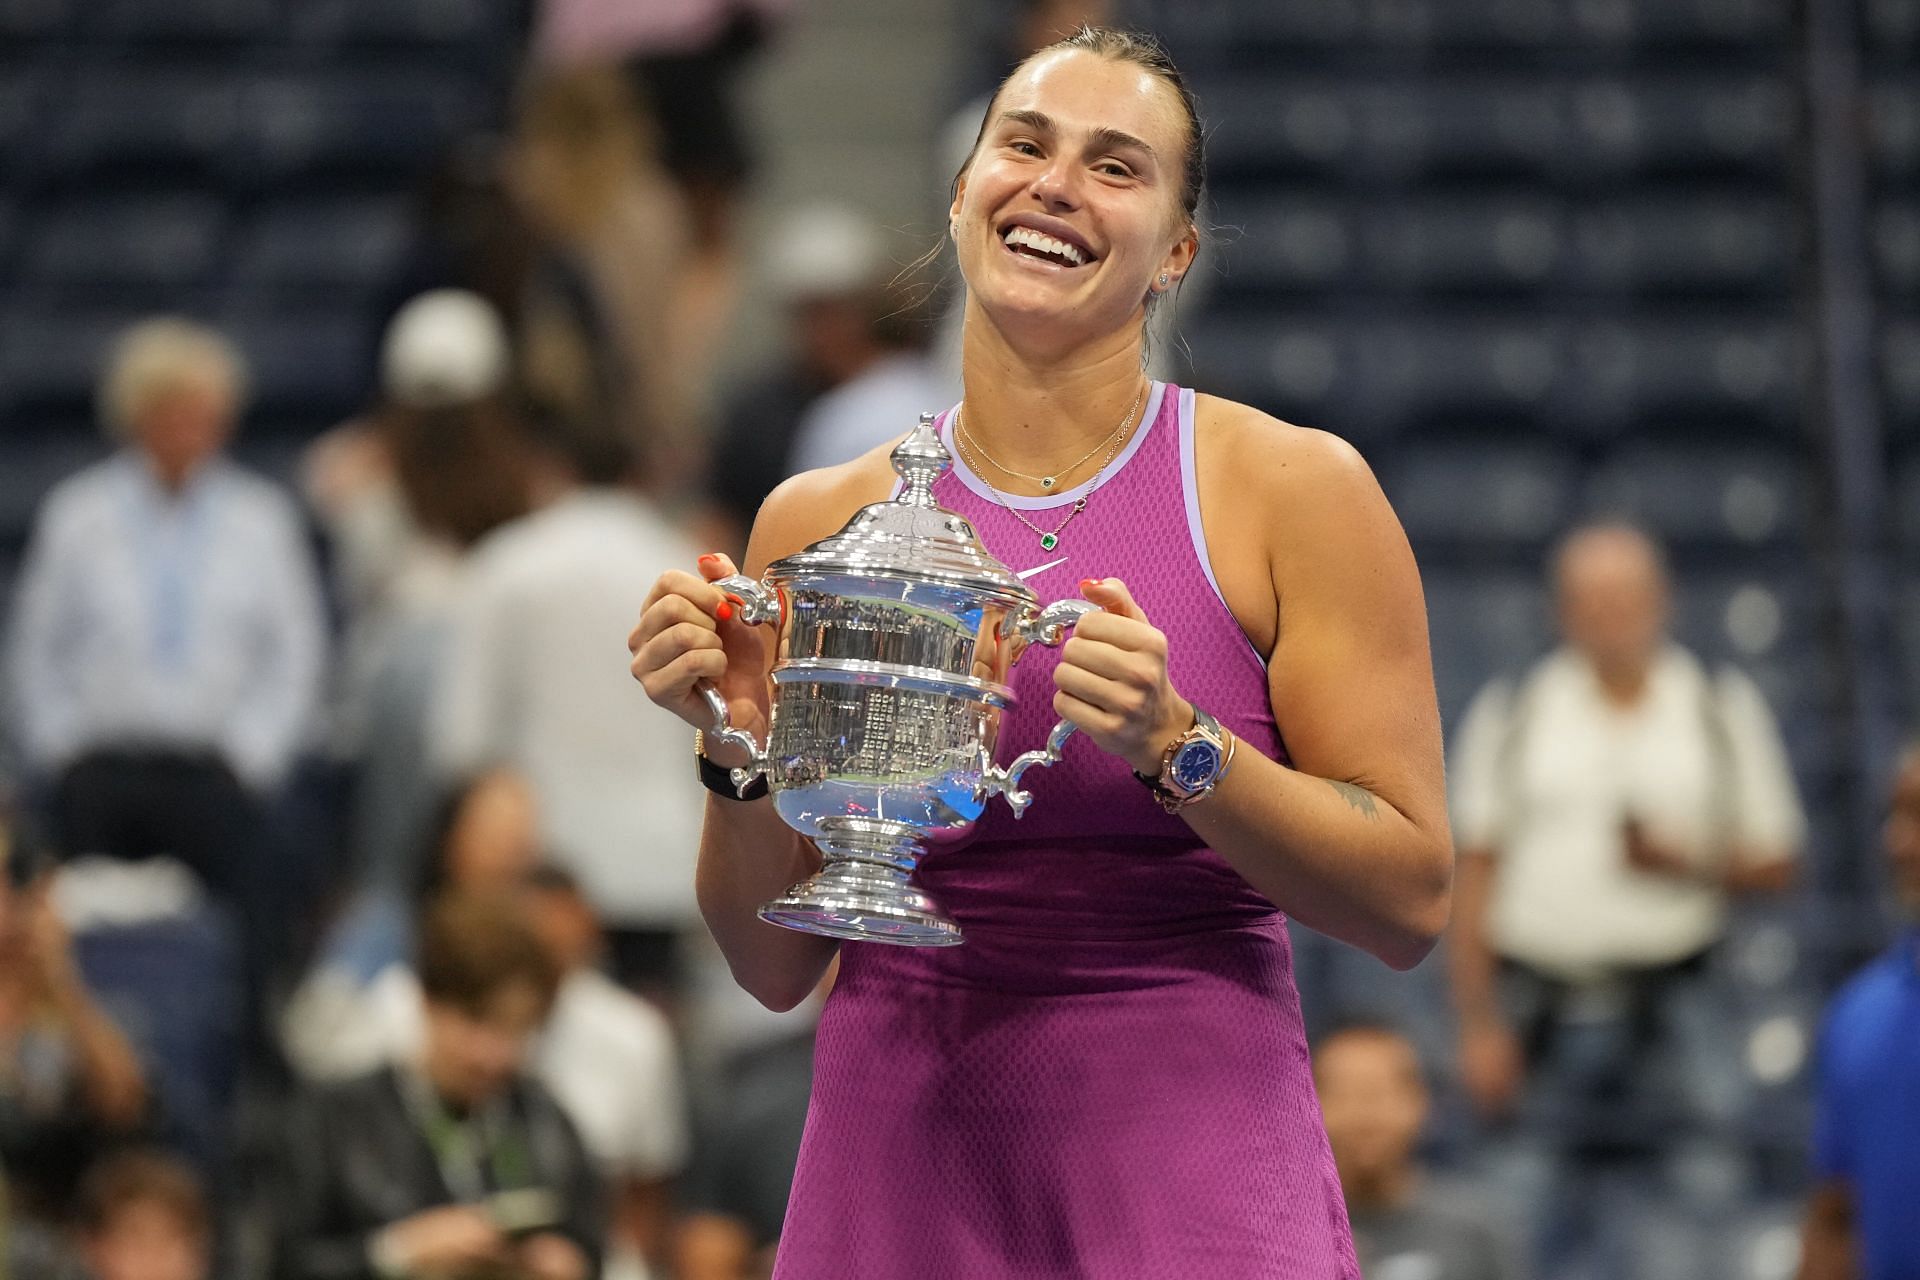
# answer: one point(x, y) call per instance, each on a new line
point(863, 893)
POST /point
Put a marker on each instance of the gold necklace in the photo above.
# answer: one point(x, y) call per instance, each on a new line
point(1047, 482)
point(1049, 538)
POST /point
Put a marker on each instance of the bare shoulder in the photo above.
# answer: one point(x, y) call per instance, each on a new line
point(1310, 484)
point(814, 504)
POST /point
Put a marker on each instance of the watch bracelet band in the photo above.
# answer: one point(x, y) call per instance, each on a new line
point(719, 779)
point(1174, 801)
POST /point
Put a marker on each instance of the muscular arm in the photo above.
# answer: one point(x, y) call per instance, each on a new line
point(1352, 840)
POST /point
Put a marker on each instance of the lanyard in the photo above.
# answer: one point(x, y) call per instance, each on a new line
point(477, 1156)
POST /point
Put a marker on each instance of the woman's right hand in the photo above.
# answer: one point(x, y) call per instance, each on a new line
point(688, 636)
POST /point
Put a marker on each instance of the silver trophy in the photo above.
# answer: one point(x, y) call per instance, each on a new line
point(895, 637)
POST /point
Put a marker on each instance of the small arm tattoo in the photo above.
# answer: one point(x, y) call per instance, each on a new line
point(1359, 797)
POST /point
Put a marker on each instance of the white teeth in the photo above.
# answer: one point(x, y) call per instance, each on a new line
point(1045, 244)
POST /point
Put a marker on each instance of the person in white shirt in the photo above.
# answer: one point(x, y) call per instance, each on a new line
point(532, 684)
point(1606, 806)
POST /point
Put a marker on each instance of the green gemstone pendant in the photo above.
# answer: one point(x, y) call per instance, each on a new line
point(1049, 541)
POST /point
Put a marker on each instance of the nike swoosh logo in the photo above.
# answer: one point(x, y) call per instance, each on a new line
point(1024, 574)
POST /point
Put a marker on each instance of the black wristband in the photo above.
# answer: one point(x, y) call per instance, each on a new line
point(720, 780)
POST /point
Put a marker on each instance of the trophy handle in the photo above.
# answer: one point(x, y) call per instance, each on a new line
point(757, 604)
point(995, 780)
point(1048, 626)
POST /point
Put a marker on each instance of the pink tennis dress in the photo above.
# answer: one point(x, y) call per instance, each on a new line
point(1110, 1078)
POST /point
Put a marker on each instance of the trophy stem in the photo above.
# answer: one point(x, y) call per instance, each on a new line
point(863, 892)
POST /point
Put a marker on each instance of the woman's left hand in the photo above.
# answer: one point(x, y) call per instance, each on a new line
point(1112, 679)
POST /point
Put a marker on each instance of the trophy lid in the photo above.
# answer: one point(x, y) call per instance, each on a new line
point(911, 536)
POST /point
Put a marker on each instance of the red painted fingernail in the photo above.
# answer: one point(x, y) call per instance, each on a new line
point(1089, 582)
point(709, 559)
point(724, 612)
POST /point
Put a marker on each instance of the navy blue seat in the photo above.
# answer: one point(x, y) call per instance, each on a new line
point(1900, 375)
point(1893, 127)
point(434, 24)
point(162, 244)
point(1471, 500)
point(309, 368)
point(144, 124)
point(1467, 368)
point(9, 229)
point(1483, 624)
point(1896, 244)
point(1383, 130)
point(51, 358)
point(20, 98)
point(1300, 368)
point(25, 20)
point(1709, 496)
point(192, 22)
point(375, 124)
point(1684, 244)
point(1689, 126)
point(1907, 637)
point(1668, 375)
point(174, 985)
point(1292, 243)
point(337, 245)
point(1468, 245)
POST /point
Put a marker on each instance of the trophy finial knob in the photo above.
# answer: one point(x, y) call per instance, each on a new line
point(920, 460)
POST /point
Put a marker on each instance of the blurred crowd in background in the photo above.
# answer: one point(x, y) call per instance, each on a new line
point(363, 361)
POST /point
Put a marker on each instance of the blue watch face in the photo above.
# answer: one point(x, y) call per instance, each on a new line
point(1195, 764)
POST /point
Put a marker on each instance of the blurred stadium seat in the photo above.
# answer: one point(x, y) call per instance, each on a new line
point(144, 124)
point(1705, 497)
point(424, 26)
point(143, 248)
point(1522, 494)
point(327, 247)
point(193, 22)
point(375, 127)
point(35, 19)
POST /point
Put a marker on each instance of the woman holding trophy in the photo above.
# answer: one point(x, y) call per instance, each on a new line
point(1110, 1078)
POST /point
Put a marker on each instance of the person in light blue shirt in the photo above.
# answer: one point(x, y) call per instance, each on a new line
point(168, 635)
point(1863, 1222)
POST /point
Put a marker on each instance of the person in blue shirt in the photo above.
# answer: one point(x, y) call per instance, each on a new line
point(168, 635)
point(1864, 1219)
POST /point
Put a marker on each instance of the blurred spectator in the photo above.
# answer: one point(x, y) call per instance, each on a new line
point(71, 1084)
point(1373, 1096)
point(485, 841)
point(747, 1143)
point(1863, 1222)
point(888, 380)
point(405, 493)
point(454, 1162)
point(827, 267)
point(535, 683)
point(143, 1216)
point(607, 1056)
point(169, 639)
point(601, 339)
point(685, 59)
point(1606, 805)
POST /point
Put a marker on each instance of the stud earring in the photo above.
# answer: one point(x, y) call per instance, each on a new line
point(1163, 279)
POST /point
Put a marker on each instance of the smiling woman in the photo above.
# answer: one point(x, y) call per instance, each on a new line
point(1110, 1078)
